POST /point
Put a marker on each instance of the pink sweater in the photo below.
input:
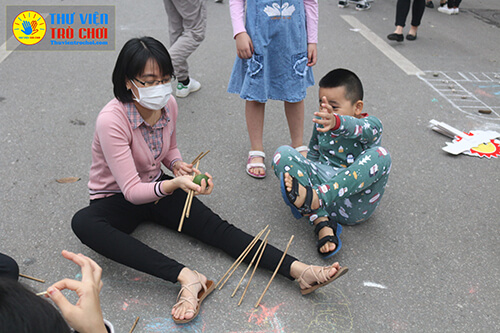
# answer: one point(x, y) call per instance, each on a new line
point(121, 159)
point(237, 10)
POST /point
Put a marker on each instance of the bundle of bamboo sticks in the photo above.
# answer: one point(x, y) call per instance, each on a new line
point(189, 198)
point(258, 256)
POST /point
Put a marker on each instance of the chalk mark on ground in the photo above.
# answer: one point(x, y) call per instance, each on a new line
point(468, 92)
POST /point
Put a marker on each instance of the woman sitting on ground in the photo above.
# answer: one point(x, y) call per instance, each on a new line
point(135, 133)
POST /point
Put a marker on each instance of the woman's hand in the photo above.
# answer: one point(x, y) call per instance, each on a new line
point(312, 54)
point(86, 315)
point(206, 189)
point(244, 45)
point(186, 184)
point(181, 168)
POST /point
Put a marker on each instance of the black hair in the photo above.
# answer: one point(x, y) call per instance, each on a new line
point(341, 77)
point(8, 267)
point(21, 311)
point(132, 60)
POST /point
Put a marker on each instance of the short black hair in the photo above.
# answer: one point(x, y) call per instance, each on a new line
point(341, 77)
point(132, 60)
point(21, 311)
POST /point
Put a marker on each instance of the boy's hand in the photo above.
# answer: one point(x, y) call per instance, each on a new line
point(312, 54)
point(326, 116)
point(244, 45)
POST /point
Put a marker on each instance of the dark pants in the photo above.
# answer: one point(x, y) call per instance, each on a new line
point(106, 224)
point(8, 267)
point(454, 3)
point(403, 8)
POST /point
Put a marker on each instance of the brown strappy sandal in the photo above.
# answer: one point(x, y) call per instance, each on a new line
point(321, 280)
point(193, 300)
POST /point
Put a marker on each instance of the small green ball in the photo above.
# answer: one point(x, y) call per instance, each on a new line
point(197, 179)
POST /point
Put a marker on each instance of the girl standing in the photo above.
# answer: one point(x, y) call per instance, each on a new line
point(276, 47)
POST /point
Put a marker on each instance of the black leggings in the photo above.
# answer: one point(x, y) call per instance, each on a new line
point(403, 8)
point(106, 224)
point(8, 267)
point(454, 3)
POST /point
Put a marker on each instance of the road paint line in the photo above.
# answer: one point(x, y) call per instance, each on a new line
point(462, 75)
point(406, 65)
point(374, 285)
point(3, 50)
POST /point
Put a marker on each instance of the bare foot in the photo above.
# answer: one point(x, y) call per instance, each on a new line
point(307, 278)
point(302, 193)
point(325, 231)
point(257, 171)
point(185, 308)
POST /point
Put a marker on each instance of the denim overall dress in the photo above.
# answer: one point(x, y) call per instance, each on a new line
point(278, 67)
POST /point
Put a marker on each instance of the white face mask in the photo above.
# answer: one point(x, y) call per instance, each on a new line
point(155, 97)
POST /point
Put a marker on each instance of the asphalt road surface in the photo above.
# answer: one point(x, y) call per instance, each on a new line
point(428, 259)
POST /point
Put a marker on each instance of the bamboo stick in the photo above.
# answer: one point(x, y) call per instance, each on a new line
point(135, 323)
point(253, 272)
point(243, 254)
point(275, 271)
point(191, 192)
point(251, 262)
point(31, 278)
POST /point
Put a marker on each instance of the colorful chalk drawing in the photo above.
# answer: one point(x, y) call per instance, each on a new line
point(161, 325)
point(331, 312)
point(326, 311)
point(468, 92)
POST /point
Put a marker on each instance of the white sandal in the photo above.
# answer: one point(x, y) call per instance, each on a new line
point(302, 148)
point(252, 154)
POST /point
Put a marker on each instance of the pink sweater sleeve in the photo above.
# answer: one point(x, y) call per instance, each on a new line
point(237, 11)
point(311, 9)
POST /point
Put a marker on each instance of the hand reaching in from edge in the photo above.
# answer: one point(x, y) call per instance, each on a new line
point(86, 315)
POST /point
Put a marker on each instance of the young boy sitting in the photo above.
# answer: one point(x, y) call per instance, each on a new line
point(344, 175)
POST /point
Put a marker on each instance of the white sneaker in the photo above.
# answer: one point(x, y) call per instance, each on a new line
point(184, 91)
point(446, 10)
point(364, 6)
point(455, 11)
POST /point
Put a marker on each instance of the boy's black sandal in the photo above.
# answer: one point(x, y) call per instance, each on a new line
point(291, 197)
point(337, 230)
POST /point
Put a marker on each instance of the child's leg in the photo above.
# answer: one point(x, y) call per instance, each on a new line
point(254, 113)
point(353, 194)
point(288, 160)
point(367, 169)
point(360, 206)
point(295, 116)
